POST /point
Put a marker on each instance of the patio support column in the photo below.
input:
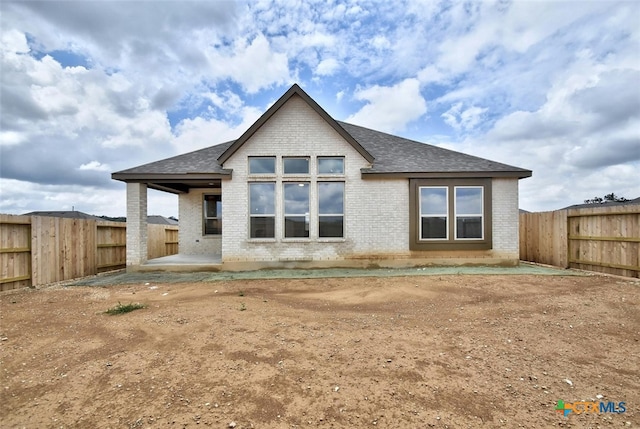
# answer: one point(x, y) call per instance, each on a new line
point(136, 224)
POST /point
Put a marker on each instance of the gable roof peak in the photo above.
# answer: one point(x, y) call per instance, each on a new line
point(294, 90)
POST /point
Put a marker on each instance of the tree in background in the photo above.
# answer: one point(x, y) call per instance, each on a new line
point(609, 198)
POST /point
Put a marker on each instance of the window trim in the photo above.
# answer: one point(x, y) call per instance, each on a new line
point(451, 243)
point(285, 174)
point(319, 158)
point(262, 215)
point(205, 217)
point(321, 215)
point(456, 215)
point(285, 215)
point(438, 215)
point(275, 165)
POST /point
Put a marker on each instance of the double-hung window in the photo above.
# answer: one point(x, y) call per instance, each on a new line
point(469, 212)
point(450, 214)
point(434, 213)
point(212, 208)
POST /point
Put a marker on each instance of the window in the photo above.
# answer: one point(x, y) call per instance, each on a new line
point(292, 199)
point(330, 209)
point(330, 165)
point(212, 206)
point(262, 210)
point(433, 213)
point(450, 214)
point(262, 165)
point(469, 212)
point(295, 165)
point(296, 210)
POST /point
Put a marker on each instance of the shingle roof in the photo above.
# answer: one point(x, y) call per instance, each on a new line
point(395, 154)
point(161, 220)
point(199, 161)
point(389, 155)
point(69, 214)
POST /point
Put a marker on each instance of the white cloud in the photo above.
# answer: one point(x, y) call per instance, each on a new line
point(13, 42)
point(9, 138)
point(390, 108)
point(95, 166)
point(240, 65)
point(327, 67)
point(464, 119)
point(582, 142)
point(197, 133)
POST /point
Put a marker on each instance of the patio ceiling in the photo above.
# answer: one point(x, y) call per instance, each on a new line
point(175, 184)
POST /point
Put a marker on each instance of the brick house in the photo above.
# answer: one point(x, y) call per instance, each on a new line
point(300, 189)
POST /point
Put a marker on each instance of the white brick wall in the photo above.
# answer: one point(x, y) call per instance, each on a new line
point(376, 211)
point(136, 224)
point(373, 225)
point(505, 217)
point(192, 241)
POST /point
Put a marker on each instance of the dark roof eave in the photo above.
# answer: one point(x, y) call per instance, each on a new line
point(158, 177)
point(368, 174)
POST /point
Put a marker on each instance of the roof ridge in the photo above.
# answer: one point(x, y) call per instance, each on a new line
point(294, 90)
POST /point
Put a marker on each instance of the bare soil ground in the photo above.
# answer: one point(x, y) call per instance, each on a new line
point(450, 351)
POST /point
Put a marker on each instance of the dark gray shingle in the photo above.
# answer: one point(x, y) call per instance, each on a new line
point(392, 154)
point(199, 161)
point(395, 154)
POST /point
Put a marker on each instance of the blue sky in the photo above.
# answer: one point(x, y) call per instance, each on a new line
point(89, 88)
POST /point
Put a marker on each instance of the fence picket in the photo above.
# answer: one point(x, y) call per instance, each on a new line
point(604, 239)
point(38, 250)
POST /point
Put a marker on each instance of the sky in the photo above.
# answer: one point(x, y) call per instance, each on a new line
point(93, 87)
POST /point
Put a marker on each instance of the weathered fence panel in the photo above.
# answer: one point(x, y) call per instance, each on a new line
point(600, 238)
point(37, 250)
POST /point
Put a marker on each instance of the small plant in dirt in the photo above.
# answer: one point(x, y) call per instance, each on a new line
point(241, 293)
point(124, 308)
point(242, 306)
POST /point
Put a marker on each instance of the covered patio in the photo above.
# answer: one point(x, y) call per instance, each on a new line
point(182, 263)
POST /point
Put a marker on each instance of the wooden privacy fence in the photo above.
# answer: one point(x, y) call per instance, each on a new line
point(37, 250)
point(604, 239)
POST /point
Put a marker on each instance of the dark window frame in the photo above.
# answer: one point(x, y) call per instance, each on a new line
point(452, 243)
point(217, 217)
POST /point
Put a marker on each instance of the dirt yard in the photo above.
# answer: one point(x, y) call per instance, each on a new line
point(451, 351)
